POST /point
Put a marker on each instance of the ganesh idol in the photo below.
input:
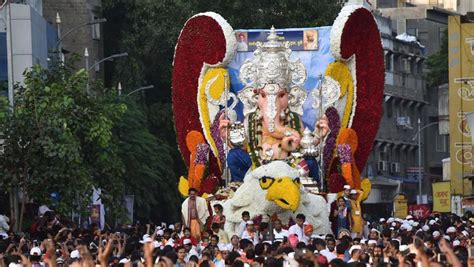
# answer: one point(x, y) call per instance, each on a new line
point(273, 100)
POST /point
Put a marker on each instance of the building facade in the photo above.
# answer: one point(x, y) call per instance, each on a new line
point(409, 34)
point(72, 14)
point(25, 40)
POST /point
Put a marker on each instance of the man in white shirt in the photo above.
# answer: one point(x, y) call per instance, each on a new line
point(278, 232)
point(330, 251)
point(298, 229)
point(190, 250)
point(354, 251)
point(251, 234)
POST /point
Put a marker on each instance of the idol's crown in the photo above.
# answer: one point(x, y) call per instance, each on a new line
point(272, 65)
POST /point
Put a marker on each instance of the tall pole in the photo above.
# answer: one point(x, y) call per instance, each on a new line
point(420, 170)
point(86, 59)
point(321, 151)
point(419, 162)
point(226, 143)
point(11, 75)
point(58, 25)
point(14, 210)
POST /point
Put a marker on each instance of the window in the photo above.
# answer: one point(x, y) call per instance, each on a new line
point(388, 61)
point(440, 141)
point(405, 65)
point(95, 29)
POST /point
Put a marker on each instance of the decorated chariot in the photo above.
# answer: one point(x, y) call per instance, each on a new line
point(262, 130)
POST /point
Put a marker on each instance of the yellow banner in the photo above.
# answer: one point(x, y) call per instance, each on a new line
point(400, 206)
point(442, 197)
point(461, 99)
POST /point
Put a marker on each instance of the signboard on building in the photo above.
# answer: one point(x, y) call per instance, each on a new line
point(400, 206)
point(461, 99)
point(468, 203)
point(442, 197)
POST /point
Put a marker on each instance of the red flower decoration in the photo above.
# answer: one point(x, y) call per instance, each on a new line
point(209, 185)
point(201, 41)
point(361, 38)
point(336, 183)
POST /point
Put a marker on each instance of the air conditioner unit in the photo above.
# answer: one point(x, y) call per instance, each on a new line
point(395, 167)
point(402, 121)
point(382, 165)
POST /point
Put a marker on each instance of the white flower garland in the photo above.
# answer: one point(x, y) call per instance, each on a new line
point(336, 36)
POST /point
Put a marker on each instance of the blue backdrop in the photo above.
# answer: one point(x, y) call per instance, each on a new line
point(315, 61)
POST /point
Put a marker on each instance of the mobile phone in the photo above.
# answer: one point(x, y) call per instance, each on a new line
point(441, 257)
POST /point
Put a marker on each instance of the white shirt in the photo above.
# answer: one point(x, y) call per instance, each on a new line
point(295, 229)
point(191, 252)
point(328, 254)
point(242, 227)
point(280, 235)
point(255, 238)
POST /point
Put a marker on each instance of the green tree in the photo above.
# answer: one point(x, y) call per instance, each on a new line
point(438, 64)
point(59, 139)
point(148, 161)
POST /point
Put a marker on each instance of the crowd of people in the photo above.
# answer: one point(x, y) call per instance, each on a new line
point(439, 240)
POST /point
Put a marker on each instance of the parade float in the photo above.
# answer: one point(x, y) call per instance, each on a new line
point(273, 121)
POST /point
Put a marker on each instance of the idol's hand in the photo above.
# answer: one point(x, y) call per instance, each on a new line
point(321, 129)
point(224, 123)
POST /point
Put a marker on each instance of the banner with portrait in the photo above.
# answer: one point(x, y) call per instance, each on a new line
point(310, 45)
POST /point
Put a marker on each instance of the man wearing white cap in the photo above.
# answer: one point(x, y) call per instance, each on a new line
point(436, 235)
point(189, 248)
point(451, 232)
point(354, 251)
point(356, 213)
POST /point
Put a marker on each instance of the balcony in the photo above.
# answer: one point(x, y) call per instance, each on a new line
point(405, 85)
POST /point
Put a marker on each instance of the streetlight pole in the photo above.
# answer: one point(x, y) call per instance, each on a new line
point(86, 66)
point(86, 56)
point(125, 54)
point(102, 20)
point(58, 48)
point(141, 89)
point(420, 177)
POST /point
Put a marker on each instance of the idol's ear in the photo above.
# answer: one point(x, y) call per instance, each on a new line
point(206, 43)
